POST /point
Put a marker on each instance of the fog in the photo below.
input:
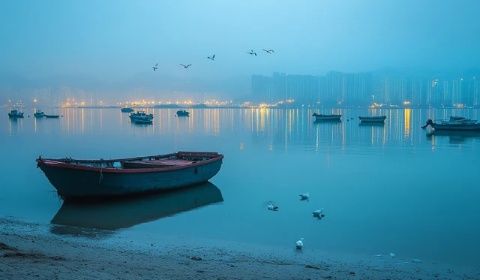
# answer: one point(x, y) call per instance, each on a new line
point(108, 48)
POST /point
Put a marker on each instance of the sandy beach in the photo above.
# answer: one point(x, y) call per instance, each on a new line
point(28, 251)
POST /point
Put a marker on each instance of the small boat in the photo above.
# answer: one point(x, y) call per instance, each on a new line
point(127, 110)
point(15, 114)
point(456, 125)
point(52, 116)
point(322, 117)
point(76, 179)
point(373, 119)
point(39, 114)
point(141, 117)
point(183, 113)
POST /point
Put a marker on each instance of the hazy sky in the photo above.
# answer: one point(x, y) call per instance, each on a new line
point(109, 46)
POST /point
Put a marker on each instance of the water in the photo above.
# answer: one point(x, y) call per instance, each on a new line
point(384, 188)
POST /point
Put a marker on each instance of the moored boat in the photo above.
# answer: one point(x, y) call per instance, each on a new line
point(322, 117)
point(128, 176)
point(183, 113)
point(465, 125)
point(15, 114)
point(141, 117)
point(39, 114)
point(372, 119)
point(52, 116)
point(126, 110)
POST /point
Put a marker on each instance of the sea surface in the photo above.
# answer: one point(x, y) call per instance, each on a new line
point(384, 189)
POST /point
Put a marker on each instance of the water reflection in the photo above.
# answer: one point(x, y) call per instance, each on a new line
point(95, 218)
point(455, 137)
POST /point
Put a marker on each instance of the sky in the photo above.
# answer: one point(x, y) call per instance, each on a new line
point(108, 47)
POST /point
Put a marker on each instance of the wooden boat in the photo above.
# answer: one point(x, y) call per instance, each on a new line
point(126, 110)
point(15, 114)
point(127, 212)
point(141, 117)
point(52, 116)
point(183, 113)
point(127, 176)
point(39, 114)
point(373, 119)
point(322, 117)
point(468, 125)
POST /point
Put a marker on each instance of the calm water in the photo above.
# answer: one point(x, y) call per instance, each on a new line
point(384, 189)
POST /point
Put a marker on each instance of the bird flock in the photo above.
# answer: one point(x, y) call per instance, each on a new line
point(212, 57)
point(317, 214)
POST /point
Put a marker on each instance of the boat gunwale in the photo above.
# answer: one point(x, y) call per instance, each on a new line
point(62, 164)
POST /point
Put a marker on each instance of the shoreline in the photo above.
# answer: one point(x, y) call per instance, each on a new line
point(30, 251)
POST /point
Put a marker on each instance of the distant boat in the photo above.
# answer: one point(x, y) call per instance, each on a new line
point(75, 179)
point(182, 113)
point(141, 117)
point(15, 114)
point(454, 125)
point(52, 116)
point(121, 213)
point(39, 114)
point(373, 119)
point(322, 117)
point(127, 110)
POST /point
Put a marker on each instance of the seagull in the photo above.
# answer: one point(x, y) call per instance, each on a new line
point(185, 66)
point(318, 214)
point(211, 57)
point(252, 52)
point(155, 67)
point(269, 51)
point(272, 207)
point(304, 196)
point(299, 244)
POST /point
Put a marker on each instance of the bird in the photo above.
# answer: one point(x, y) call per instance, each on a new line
point(299, 244)
point(318, 214)
point(272, 207)
point(252, 52)
point(155, 67)
point(304, 196)
point(185, 66)
point(269, 51)
point(211, 57)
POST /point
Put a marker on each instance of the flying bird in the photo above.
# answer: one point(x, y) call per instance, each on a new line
point(299, 244)
point(269, 51)
point(304, 196)
point(252, 52)
point(185, 66)
point(155, 67)
point(211, 57)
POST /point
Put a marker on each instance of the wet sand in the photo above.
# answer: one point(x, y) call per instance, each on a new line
point(29, 251)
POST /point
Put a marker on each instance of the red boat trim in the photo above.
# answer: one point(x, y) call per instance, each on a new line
point(63, 165)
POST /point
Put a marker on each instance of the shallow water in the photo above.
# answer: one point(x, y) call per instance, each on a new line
point(384, 189)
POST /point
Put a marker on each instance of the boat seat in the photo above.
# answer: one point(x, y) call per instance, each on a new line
point(156, 163)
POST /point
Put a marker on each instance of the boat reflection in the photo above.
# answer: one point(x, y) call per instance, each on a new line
point(371, 124)
point(101, 218)
point(455, 137)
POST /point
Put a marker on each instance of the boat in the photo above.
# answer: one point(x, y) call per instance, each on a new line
point(141, 117)
point(39, 114)
point(183, 113)
point(77, 179)
point(127, 110)
point(88, 218)
point(52, 116)
point(322, 117)
point(372, 119)
point(455, 125)
point(15, 114)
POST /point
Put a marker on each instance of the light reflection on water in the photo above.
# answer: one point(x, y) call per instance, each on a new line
point(384, 188)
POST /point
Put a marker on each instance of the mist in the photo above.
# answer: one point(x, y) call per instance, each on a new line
point(107, 49)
